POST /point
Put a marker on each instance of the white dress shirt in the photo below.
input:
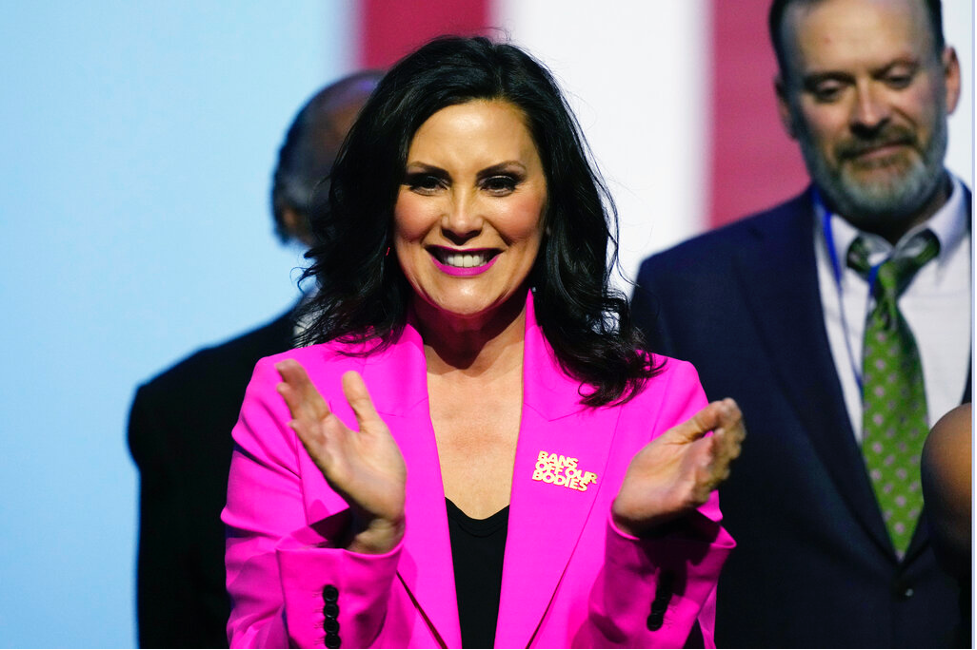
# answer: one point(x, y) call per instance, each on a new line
point(936, 305)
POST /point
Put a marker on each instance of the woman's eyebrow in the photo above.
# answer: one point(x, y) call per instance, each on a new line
point(507, 166)
point(418, 167)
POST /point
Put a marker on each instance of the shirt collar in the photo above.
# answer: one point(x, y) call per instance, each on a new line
point(949, 224)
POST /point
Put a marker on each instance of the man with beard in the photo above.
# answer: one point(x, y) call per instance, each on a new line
point(840, 322)
point(181, 421)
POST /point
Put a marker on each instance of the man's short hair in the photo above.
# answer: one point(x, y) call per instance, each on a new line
point(934, 9)
point(304, 160)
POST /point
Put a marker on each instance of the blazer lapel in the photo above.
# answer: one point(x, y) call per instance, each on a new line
point(397, 380)
point(781, 288)
point(546, 519)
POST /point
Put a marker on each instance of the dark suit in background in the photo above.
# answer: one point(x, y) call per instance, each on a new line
point(181, 421)
point(865, 88)
point(179, 435)
point(813, 566)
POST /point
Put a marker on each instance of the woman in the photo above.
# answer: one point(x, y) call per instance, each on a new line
point(509, 411)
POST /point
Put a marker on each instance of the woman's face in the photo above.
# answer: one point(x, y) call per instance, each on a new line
point(468, 221)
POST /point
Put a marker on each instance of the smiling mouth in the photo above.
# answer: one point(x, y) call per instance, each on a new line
point(887, 149)
point(467, 262)
point(878, 147)
point(463, 259)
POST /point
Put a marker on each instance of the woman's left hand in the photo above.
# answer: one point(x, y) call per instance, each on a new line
point(675, 473)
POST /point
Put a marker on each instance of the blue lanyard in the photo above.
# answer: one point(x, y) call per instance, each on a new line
point(829, 241)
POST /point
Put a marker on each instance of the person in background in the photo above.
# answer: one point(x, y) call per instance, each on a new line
point(947, 473)
point(180, 423)
point(520, 473)
point(840, 322)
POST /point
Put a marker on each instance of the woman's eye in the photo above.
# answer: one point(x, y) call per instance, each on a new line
point(500, 184)
point(424, 183)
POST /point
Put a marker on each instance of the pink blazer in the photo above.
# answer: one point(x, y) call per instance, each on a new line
point(570, 578)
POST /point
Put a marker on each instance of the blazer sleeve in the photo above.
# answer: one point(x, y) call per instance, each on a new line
point(660, 591)
point(287, 580)
point(657, 593)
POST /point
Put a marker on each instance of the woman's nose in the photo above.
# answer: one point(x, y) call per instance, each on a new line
point(462, 219)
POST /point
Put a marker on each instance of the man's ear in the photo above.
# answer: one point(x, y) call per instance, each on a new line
point(951, 77)
point(297, 226)
point(783, 106)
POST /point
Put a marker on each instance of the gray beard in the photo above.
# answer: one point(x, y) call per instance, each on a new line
point(897, 199)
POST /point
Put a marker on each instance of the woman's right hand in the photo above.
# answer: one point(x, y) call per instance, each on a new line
point(365, 467)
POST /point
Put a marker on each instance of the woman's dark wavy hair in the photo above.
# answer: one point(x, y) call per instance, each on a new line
point(364, 295)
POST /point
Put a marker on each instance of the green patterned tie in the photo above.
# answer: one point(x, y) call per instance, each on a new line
point(894, 421)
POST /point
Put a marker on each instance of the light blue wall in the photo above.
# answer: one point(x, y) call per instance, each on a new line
point(137, 143)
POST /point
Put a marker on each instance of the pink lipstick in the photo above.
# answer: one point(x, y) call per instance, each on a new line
point(463, 263)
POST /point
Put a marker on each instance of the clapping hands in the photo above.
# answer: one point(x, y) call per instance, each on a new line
point(669, 477)
point(675, 473)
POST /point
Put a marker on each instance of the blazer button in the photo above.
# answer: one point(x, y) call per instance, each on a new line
point(331, 610)
point(655, 620)
point(330, 594)
point(663, 595)
point(902, 590)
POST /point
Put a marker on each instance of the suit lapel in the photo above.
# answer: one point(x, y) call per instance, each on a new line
point(546, 518)
point(780, 286)
point(397, 380)
point(969, 389)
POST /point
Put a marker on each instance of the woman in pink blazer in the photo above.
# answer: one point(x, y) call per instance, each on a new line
point(475, 452)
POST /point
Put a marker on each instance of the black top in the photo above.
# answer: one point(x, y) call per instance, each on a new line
point(477, 550)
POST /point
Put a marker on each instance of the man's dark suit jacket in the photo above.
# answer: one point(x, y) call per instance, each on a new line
point(180, 437)
point(813, 566)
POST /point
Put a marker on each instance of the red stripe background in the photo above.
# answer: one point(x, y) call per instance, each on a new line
point(752, 163)
point(389, 29)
